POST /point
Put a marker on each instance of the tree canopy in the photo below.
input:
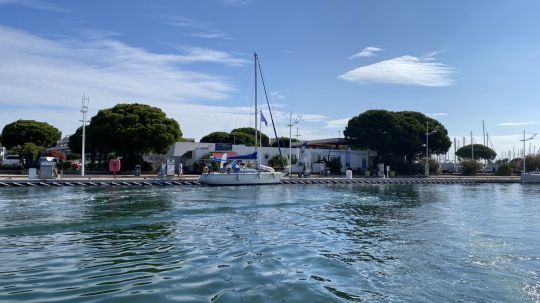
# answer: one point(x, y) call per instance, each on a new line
point(396, 135)
point(244, 135)
point(480, 152)
point(283, 142)
point(29, 131)
point(251, 132)
point(29, 152)
point(129, 130)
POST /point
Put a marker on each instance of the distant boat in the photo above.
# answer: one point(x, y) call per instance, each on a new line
point(530, 177)
point(244, 176)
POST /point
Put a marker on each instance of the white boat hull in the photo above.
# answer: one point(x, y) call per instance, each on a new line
point(258, 178)
point(530, 178)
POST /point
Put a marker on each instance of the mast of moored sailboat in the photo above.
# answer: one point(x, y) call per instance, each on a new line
point(255, 79)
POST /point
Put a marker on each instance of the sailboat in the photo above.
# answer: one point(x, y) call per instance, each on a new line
point(245, 176)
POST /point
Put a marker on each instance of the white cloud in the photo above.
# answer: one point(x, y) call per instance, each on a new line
point(337, 123)
point(206, 30)
point(44, 79)
point(37, 74)
point(406, 70)
point(518, 123)
point(277, 95)
point(212, 34)
point(366, 52)
point(35, 4)
point(237, 2)
point(313, 118)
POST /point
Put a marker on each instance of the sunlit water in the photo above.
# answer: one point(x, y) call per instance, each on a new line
point(380, 243)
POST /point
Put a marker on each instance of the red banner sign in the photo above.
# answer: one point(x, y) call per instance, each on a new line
point(114, 165)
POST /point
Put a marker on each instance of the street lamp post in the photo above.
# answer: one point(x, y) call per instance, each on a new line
point(84, 110)
point(428, 133)
point(525, 140)
point(290, 125)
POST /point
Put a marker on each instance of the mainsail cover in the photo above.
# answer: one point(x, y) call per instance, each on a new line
point(252, 156)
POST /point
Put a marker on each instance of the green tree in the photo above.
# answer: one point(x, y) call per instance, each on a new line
point(242, 138)
point(480, 152)
point(29, 131)
point(29, 152)
point(132, 130)
point(75, 141)
point(283, 142)
point(245, 135)
point(216, 137)
point(251, 132)
point(396, 136)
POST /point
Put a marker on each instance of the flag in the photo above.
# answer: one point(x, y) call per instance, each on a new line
point(263, 119)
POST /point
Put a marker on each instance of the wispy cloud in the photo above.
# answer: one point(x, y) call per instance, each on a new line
point(408, 70)
point(38, 73)
point(213, 34)
point(237, 2)
point(437, 115)
point(35, 4)
point(369, 51)
point(200, 54)
point(277, 95)
point(337, 123)
point(205, 30)
point(313, 118)
point(519, 123)
point(44, 79)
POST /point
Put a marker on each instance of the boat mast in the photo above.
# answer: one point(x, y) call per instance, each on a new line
point(255, 79)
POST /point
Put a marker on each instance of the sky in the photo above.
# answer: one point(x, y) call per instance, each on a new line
point(460, 62)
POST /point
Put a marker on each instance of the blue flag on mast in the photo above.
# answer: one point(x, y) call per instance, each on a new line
point(263, 119)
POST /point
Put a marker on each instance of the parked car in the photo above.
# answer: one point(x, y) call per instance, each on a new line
point(489, 169)
point(12, 161)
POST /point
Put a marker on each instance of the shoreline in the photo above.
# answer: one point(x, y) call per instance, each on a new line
point(149, 180)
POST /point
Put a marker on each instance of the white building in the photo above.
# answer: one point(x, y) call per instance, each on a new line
point(316, 152)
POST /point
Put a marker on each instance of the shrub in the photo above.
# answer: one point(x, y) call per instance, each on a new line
point(470, 167)
point(411, 169)
point(504, 170)
point(334, 165)
point(275, 162)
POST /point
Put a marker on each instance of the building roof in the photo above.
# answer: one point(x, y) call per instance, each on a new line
point(335, 143)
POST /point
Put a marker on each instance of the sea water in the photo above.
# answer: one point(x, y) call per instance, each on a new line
point(284, 243)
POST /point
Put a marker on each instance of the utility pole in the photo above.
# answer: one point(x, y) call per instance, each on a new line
point(84, 110)
point(290, 125)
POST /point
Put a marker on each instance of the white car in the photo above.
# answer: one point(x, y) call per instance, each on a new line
point(12, 161)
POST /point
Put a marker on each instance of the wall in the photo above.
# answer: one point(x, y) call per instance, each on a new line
point(359, 158)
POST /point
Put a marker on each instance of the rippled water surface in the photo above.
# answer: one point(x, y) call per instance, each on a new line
point(383, 243)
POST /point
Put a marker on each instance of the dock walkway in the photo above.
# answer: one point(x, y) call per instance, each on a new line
point(192, 181)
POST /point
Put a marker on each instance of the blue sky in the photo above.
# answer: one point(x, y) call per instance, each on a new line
point(460, 61)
